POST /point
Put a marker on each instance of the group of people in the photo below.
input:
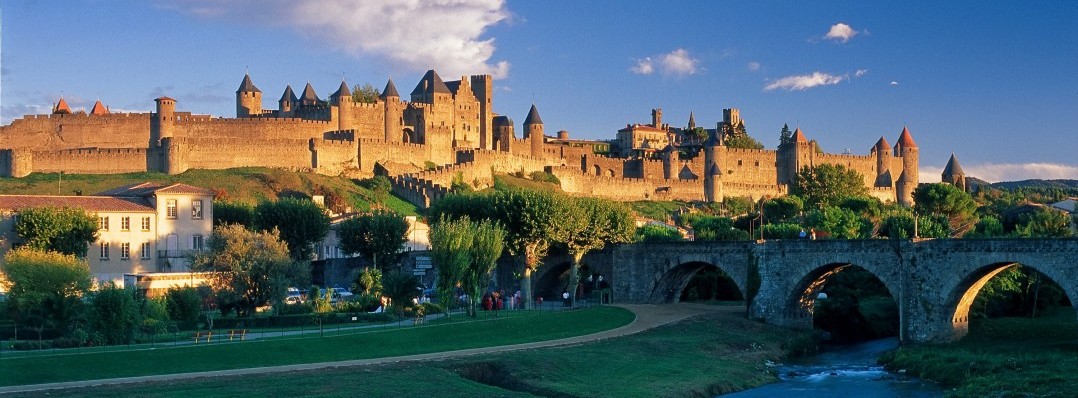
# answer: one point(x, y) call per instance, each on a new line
point(499, 300)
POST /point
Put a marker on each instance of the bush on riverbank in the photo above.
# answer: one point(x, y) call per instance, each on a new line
point(1001, 357)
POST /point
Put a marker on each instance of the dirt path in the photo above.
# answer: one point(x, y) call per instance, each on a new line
point(647, 317)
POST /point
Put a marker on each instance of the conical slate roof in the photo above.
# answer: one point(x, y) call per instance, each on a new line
point(288, 95)
point(953, 168)
point(342, 91)
point(99, 109)
point(246, 86)
point(533, 117)
point(390, 90)
point(431, 83)
point(309, 96)
point(692, 120)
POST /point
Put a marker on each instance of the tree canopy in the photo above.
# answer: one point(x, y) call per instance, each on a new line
point(465, 253)
point(250, 269)
point(827, 185)
point(651, 233)
point(377, 236)
point(366, 94)
point(65, 230)
point(300, 223)
point(591, 224)
point(44, 287)
point(947, 201)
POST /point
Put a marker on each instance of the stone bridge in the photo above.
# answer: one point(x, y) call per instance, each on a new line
point(933, 282)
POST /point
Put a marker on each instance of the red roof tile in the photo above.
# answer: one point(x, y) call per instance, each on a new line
point(799, 137)
point(61, 107)
point(99, 109)
point(88, 203)
point(906, 140)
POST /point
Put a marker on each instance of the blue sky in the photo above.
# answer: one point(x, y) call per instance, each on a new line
point(994, 82)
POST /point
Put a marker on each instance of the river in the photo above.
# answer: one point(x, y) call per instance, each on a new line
point(843, 371)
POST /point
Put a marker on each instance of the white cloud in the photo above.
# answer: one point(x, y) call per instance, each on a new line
point(860, 72)
point(996, 172)
point(840, 32)
point(418, 35)
point(678, 62)
point(643, 67)
point(805, 82)
point(753, 66)
point(894, 83)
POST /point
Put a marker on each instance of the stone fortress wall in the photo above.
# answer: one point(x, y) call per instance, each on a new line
point(450, 124)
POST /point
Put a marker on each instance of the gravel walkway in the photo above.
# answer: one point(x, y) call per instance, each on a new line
point(647, 317)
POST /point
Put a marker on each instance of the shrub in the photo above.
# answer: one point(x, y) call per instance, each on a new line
point(183, 305)
point(543, 176)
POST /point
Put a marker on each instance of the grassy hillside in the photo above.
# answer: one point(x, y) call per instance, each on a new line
point(249, 184)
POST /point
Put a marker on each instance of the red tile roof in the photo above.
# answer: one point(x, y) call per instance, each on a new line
point(145, 189)
point(881, 145)
point(906, 140)
point(61, 107)
point(88, 203)
point(99, 109)
point(799, 137)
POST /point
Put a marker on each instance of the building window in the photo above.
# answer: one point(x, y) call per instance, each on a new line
point(145, 223)
point(125, 251)
point(103, 223)
point(170, 208)
point(104, 250)
point(196, 209)
point(145, 251)
point(125, 223)
point(196, 242)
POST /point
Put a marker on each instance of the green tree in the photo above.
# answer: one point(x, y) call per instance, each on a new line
point(249, 269)
point(183, 305)
point(225, 212)
point(380, 187)
point(782, 231)
point(591, 224)
point(783, 209)
point(368, 281)
point(400, 288)
point(987, 227)
point(743, 141)
point(365, 94)
point(114, 314)
point(300, 224)
point(465, 253)
point(65, 230)
point(827, 184)
point(377, 236)
point(839, 222)
point(533, 221)
point(736, 205)
point(651, 233)
point(1043, 223)
point(946, 200)
point(45, 288)
point(785, 135)
point(717, 229)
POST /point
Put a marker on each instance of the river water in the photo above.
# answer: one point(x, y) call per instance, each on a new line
point(843, 371)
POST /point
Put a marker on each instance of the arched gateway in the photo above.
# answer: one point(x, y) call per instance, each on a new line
point(932, 281)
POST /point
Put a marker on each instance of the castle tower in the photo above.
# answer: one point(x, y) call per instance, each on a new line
point(394, 113)
point(882, 150)
point(713, 168)
point(341, 100)
point(163, 121)
point(533, 130)
point(503, 133)
point(731, 117)
point(692, 121)
point(793, 156)
point(287, 103)
point(483, 89)
point(248, 99)
point(431, 90)
point(61, 108)
point(953, 174)
point(671, 161)
point(657, 118)
point(907, 182)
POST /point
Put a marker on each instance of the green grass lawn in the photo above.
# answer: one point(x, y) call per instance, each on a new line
point(1002, 357)
point(700, 357)
point(656, 210)
point(373, 344)
point(246, 184)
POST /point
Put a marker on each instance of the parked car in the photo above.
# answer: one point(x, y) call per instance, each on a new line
point(295, 296)
point(340, 294)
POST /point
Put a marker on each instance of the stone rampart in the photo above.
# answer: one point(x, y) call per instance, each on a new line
point(372, 151)
point(79, 130)
point(91, 160)
point(575, 182)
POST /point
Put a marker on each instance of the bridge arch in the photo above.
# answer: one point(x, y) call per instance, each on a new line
point(670, 284)
point(802, 298)
point(960, 300)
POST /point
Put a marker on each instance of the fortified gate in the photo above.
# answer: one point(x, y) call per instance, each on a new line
point(933, 282)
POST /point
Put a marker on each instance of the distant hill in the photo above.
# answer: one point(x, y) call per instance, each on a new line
point(248, 184)
point(1036, 183)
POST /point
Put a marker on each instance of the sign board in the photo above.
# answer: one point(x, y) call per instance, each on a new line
point(419, 272)
point(423, 262)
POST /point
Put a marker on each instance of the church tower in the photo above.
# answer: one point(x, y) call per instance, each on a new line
point(533, 130)
point(953, 174)
point(248, 99)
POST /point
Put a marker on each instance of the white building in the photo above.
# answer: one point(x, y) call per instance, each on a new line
point(145, 228)
point(418, 238)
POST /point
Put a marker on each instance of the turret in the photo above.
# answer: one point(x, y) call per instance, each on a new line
point(163, 120)
point(61, 108)
point(731, 117)
point(794, 155)
point(99, 109)
point(503, 133)
point(309, 98)
point(533, 130)
point(907, 149)
point(882, 150)
point(657, 118)
point(394, 113)
point(287, 103)
point(342, 101)
point(431, 89)
point(248, 99)
point(953, 174)
point(671, 161)
point(713, 168)
point(483, 89)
